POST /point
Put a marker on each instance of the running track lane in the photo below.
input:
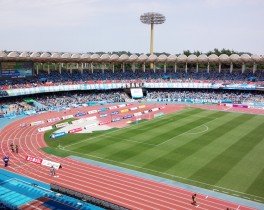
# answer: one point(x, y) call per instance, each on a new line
point(126, 190)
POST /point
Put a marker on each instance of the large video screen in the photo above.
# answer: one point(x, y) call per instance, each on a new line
point(16, 69)
point(136, 92)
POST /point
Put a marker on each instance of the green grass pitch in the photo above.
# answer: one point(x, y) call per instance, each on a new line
point(216, 150)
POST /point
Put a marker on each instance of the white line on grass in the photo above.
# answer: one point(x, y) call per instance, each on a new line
point(184, 132)
point(206, 129)
point(158, 172)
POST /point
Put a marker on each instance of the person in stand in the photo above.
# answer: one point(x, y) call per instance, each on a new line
point(6, 159)
point(194, 199)
point(16, 148)
point(52, 171)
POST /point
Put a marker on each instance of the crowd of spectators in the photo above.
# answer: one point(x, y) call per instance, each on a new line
point(237, 97)
point(60, 100)
point(15, 105)
point(128, 76)
point(68, 99)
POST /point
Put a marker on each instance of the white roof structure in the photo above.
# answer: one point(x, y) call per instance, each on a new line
point(124, 58)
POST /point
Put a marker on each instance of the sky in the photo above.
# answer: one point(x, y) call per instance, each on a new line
point(80, 26)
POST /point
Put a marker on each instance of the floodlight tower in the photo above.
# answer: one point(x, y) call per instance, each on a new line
point(152, 18)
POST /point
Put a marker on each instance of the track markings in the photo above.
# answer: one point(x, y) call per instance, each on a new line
point(170, 175)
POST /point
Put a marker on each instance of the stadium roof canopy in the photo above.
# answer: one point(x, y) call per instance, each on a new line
point(46, 57)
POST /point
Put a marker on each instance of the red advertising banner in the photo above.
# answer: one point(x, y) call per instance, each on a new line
point(104, 122)
point(75, 130)
point(34, 159)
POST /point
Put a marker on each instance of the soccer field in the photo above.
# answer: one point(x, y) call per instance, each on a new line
point(217, 150)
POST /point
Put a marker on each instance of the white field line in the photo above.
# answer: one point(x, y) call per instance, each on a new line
point(132, 126)
point(34, 144)
point(185, 132)
point(219, 189)
point(206, 129)
point(94, 188)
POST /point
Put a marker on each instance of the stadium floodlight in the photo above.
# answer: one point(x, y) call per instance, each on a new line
point(152, 18)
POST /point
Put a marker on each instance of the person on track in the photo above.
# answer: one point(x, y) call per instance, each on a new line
point(12, 146)
point(194, 199)
point(52, 171)
point(6, 159)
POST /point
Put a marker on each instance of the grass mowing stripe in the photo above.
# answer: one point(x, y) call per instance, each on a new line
point(250, 161)
point(97, 136)
point(120, 134)
point(155, 124)
point(94, 146)
point(230, 157)
point(200, 158)
point(146, 153)
point(160, 134)
point(179, 154)
point(135, 150)
point(257, 186)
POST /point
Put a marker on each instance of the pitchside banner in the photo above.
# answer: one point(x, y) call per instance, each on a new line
point(113, 107)
point(116, 119)
point(51, 163)
point(104, 122)
point(57, 135)
point(121, 105)
point(37, 123)
point(34, 159)
point(67, 117)
point(92, 112)
point(102, 109)
point(75, 130)
point(103, 115)
point(60, 125)
point(53, 119)
point(77, 121)
point(124, 110)
point(44, 129)
point(43, 162)
point(116, 112)
point(127, 116)
point(80, 114)
point(137, 114)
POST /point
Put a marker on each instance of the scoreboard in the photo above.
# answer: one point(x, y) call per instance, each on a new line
point(136, 92)
point(16, 70)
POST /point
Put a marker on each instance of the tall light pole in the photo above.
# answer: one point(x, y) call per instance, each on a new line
point(152, 18)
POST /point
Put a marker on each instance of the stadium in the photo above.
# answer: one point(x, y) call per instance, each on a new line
point(131, 130)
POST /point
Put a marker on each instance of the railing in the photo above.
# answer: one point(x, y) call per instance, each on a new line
point(86, 198)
